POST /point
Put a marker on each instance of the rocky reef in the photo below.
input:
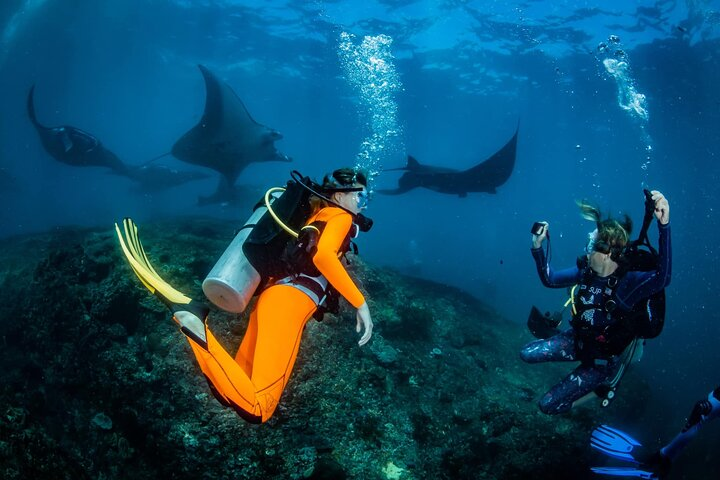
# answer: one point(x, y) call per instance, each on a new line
point(97, 382)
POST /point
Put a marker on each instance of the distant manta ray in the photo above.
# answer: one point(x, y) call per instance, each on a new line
point(72, 146)
point(226, 138)
point(152, 178)
point(75, 147)
point(484, 177)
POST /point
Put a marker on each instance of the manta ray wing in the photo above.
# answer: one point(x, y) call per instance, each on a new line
point(227, 138)
point(31, 110)
point(493, 172)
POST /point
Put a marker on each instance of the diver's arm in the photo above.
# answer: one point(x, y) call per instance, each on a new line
point(665, 251)
point(327, 262)
point(704, 410)
point(640, 285)
point(550, 278)
point(662, 213)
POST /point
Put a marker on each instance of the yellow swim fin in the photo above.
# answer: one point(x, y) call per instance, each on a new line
point(135, 254)
point(189, 314)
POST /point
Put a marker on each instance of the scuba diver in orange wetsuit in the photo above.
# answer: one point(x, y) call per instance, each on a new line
point(253, 380)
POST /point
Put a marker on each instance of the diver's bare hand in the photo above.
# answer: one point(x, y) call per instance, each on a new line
point(538, 239)
point(662, 207)
point(364, 320)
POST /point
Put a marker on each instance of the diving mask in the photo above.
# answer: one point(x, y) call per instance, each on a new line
point(363, 197)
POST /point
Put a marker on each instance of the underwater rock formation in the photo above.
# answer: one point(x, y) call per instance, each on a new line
point(97, 382)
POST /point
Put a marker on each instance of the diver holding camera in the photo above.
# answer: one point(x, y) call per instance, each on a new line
point(617, 290)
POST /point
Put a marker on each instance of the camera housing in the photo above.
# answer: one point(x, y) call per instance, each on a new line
point(537, 228)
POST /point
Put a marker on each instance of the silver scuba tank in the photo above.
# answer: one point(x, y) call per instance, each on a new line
point(233, 280)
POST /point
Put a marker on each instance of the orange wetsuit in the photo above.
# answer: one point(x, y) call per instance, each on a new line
point(253, 381)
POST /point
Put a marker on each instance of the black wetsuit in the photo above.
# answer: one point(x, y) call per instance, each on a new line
point(598, 362)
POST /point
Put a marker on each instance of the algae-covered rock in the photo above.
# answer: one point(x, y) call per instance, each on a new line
point(96, 381)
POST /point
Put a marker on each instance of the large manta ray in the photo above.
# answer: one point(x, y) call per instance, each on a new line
point(484, 177)
point(73, 146)
point(227, 138)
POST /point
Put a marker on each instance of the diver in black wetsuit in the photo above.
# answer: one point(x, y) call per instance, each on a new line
point(606, 294)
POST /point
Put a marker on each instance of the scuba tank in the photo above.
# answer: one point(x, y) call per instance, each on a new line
point(233, 280)
point(255, 254)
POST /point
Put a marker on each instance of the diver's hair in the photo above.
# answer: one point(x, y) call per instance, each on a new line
point(342, 177)
point(614, 233)
point(589, 211)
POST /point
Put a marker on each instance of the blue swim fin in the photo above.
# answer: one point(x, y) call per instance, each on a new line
point(614, 443)
point(624, 472)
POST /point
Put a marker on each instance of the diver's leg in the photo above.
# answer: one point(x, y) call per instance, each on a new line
point(279, 316)
point(282, 312)
point(228, 381)
point(230, 384)
point(581, 381)
point(558, 348)
point(703, 411)
point(246, 352)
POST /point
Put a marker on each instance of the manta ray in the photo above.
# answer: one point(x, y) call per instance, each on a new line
point(226, 138)
point(72, 146)
point(75, 147)
point(483, 177)
point(152, 178)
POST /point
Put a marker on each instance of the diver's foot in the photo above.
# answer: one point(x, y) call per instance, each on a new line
point(192, 326)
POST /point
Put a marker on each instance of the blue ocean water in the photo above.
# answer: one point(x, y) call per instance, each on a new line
point(609, 96)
